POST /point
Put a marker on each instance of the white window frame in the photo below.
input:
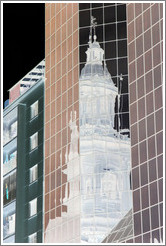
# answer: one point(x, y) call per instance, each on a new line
point(34, 109)
point(33, 207)
point(33, 174)
point(32, 238)
point(32, 144)
point(12, 220)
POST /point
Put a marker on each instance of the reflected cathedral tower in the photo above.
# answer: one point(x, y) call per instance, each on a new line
point(104, 152)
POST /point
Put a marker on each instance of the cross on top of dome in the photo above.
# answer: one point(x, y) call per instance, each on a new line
point(95, 52)
point(93, 25)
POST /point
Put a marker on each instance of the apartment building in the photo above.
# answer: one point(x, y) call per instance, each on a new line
point(23, 137)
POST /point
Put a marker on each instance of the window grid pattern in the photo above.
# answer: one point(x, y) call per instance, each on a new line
point(61, 99)
point(9, 174)
point(111, 32)
point(61, 114)
point(145, 42)
point(112, 36)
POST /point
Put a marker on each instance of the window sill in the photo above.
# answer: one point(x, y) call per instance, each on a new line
point(35, 117)
point(33, 216)
point(35, 181)
point(33, 149)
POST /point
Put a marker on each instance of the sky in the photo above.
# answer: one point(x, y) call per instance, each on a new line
point(23, 41)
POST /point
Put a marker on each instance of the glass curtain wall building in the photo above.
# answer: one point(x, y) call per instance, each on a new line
point(145, 49)
point(104, 143)
point(23, 122)
point(62, 169)
point(145, 62)
point(87, 145)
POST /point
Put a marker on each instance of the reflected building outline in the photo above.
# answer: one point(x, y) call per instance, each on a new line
point(104, 153)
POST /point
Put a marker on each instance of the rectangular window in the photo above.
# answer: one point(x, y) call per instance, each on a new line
point(9, 162)
point(13, 130)
point(32, 238)
point(9, 219)
point(34, 109)
point(34, 141)
point(9, 188)
point(33, 207)
point(10, 126)
point(33, 174)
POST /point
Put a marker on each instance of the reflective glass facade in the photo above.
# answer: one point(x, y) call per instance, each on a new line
point(103, 99)
point(122, 231)
point(62, 180)
point(145, 49)
point(87, 139)
point(104, 152)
